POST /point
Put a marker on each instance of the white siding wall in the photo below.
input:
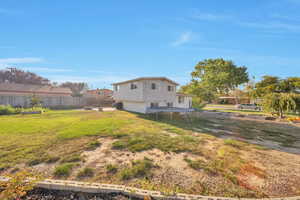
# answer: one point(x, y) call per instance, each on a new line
point(126, 94)
point(47, 100)
point(139, 107)
point(160, 94)
point(187, 102)
point(137, 100)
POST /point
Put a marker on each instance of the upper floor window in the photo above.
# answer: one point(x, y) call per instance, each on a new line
point(153, 86)
point(133, 86)
point(171, 88)
point(180, 99)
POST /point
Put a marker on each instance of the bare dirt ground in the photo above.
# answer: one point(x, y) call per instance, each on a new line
point(280, 170)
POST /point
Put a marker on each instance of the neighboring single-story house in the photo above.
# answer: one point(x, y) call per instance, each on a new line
point(99, 97)
point(149, 94)
point(233, 100)
point(101, 92)
point(20, 95)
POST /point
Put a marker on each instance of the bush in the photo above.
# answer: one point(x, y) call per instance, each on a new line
point(63, 170)
point(17, 186)
point(86, 172)
point(7, 110)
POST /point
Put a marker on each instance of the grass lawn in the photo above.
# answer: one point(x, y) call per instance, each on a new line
point(201, 156)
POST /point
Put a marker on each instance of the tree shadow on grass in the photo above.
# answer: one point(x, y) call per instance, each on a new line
point(265, 134)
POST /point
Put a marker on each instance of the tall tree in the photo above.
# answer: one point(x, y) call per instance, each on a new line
point(273, 84)
point(219, 76)
point(280, 103)
point(76, 88)
point(14, 75)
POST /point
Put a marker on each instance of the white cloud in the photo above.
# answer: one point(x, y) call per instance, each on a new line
point(20, 60)
point(183, 39)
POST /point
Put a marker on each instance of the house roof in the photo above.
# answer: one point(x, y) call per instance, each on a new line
point(232, 97)
point(38, 89)
point(146, 78)
point(99, 90)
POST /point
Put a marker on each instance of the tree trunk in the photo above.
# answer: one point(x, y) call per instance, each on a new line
point(281, 114)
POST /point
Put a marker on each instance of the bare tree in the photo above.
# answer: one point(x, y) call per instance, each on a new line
point(14, 75)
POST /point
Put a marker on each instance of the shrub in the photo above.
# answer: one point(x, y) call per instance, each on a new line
point(63, 170)
point(86, 172)
point(7, 110)
point(17, 186)
point(110, 168)
point(93, 145)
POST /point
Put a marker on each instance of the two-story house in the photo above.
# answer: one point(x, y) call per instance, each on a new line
point(146, 93)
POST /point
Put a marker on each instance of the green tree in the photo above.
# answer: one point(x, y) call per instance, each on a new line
point(273, 84)
point(280, 103)
point(219, 76)
point(200, 93)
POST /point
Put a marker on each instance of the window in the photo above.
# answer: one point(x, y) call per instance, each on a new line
point(133, 86)
point(170, 88)
point(153, 86)
point(180, 99)
point(116, 88)
point(170, 104)
point(154, 105)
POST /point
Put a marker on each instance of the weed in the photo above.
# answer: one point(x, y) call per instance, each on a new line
point(52, 159)
point(86, 172)
point(112, 169)
point(118, 145)
point(63, 170)
point(71, 158)
point(93, 145)
point(197, 164)
point(140, 168)
point(234, 143)
point(35, 161)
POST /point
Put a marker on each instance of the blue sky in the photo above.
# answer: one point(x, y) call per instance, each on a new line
point(101, 42)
